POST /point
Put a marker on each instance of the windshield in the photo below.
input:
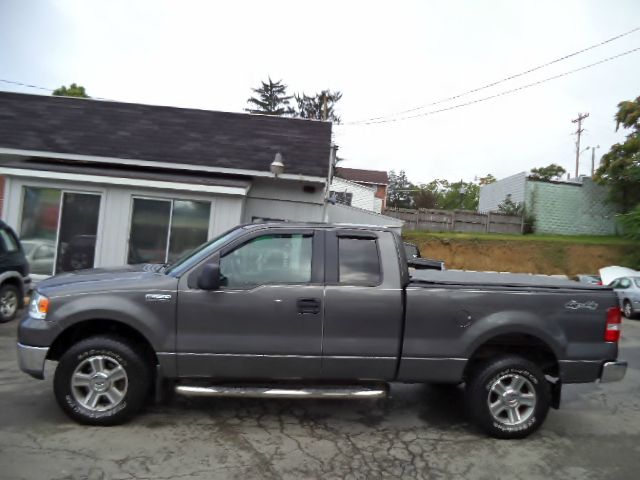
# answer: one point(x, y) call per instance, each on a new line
point(194, 257)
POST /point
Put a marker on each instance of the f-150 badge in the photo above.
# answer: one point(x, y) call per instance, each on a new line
point(574, 305)
point(157, 297)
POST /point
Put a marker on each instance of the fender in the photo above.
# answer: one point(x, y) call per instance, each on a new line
point(514, 322)
point(155, 320)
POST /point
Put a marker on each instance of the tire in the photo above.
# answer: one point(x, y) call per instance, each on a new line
point(111, 381)
point(523, 405)
point(9, 302)
point(627, 309)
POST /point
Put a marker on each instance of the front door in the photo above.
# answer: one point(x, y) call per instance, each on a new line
point(266, 320)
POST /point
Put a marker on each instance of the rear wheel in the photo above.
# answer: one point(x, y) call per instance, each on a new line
point(508, 397)
point(102, 381)
point(627, 309)
point(9, 302)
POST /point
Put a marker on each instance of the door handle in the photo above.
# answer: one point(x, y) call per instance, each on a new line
point(308, 305)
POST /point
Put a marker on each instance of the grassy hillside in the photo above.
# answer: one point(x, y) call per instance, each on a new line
point(545, 254)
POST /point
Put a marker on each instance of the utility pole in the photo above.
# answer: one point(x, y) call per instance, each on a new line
point(324, 106)
point(581, 117)
point(593, 159)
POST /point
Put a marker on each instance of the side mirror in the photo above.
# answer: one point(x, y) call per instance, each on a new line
point(209, 278)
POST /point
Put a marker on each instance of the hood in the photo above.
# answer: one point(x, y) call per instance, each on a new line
point(609, 274)
point(138, 276)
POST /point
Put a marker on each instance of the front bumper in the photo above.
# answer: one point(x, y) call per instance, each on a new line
point(613, 371)
point(31, 360)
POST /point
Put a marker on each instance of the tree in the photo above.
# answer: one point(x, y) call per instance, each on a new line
point(399, 190)
point(272, 99)
point(548, 173)
point(509, 207)
point(620, 167)
point(486, 180)
point(72, 91)
point(459, 195)
point(320, 106)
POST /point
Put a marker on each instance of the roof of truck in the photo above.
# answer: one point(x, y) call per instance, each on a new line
point(288, 224)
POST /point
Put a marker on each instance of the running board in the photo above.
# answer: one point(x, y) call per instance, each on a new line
point(293, 391)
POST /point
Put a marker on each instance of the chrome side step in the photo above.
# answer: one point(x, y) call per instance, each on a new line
point(292, 391)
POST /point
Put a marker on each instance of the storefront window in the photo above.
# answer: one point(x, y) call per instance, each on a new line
point(58, 229)
point(39, 227)
point(164, 230)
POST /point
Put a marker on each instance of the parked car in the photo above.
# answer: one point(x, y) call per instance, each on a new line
point(14, 274)
point(628, 291)
point(591, 279)
point(317, 311)
point(415, 260)
point(40, 254)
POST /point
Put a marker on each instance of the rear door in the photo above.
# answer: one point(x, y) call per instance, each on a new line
point(266, 320)
point(363, 306)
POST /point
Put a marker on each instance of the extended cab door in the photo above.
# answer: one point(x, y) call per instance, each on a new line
point(265, 322)
point(363, 305)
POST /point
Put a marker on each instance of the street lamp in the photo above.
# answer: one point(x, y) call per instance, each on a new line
point(277, 167)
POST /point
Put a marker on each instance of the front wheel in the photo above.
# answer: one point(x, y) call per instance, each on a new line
point(101, 381)
point(9, 303)
point(508, 397)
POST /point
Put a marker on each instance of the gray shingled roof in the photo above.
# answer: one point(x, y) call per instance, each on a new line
point(377, 177)
point(162, 134)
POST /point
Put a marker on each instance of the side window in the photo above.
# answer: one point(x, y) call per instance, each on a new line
point(284, 258)
point(624, 283)
point(9, 243)
point(358, 262)
point(44, 252)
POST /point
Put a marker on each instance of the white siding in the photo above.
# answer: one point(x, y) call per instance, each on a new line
point(494, 194)
point(363, 197)
point(346, 214)
point(278, 199)
point(115, 212)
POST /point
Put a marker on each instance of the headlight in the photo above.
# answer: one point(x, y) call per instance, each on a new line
point(39, 306)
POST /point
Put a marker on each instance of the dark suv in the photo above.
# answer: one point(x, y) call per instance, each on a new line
point(14, 274)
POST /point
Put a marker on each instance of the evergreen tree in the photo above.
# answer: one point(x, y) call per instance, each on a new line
point(320, 106)
point(271, 99)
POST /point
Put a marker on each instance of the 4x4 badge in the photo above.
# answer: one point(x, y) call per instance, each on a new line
point(574, 305)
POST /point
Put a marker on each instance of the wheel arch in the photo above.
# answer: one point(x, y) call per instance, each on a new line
point(525, 344)
point(94, 327)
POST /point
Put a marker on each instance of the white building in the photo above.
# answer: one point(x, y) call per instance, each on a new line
point(97, 183)
point(350, 193)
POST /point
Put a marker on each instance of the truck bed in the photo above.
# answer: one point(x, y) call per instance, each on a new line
point(484, 279)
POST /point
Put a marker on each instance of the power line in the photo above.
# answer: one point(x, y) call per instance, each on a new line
point(497, 82)
point(26, 85)
point(501, 94)
point(43, 88)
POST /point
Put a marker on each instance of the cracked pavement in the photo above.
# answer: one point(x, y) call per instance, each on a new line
point(419, 432)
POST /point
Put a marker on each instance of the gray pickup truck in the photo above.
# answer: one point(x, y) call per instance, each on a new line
point(316, 311)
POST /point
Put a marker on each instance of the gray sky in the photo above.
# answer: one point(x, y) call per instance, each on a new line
point(384, 56)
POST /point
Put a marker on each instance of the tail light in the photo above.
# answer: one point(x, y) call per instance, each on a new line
point(614, 321)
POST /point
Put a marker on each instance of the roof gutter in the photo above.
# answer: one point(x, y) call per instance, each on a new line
point(122, 181)
point(164, 165)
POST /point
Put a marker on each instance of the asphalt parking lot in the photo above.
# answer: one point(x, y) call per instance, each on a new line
point(419, 432)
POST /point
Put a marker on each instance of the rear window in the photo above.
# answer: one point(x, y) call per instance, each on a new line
point(358, 262)
point(637, 280)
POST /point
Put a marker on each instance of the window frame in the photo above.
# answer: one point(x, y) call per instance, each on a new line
point(333, 256)
point(171, 201)
point(62, 188)
point(317, 248)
